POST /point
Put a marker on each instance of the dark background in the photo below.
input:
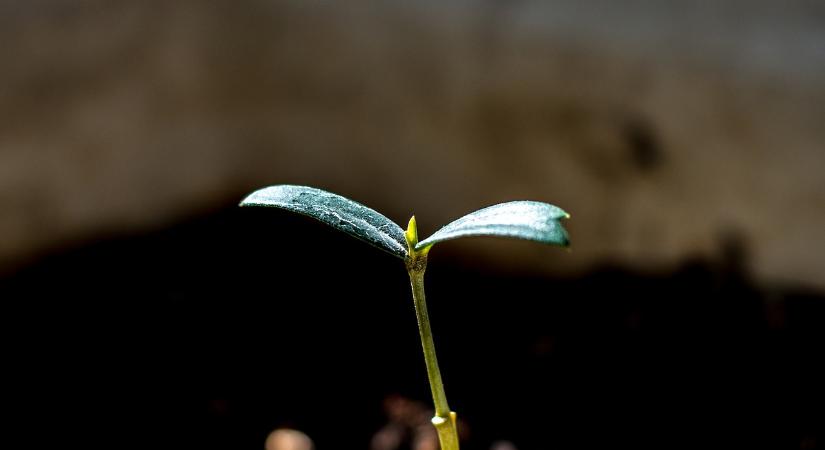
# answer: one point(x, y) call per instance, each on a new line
point(142, 309)
point(211, 333)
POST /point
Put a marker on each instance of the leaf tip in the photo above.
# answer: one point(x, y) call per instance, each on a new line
point(249, 200)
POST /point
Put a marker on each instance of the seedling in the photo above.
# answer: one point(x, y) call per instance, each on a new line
point(533, 221)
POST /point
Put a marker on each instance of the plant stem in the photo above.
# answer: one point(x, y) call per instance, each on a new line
point(444, 419)
point(433, 372)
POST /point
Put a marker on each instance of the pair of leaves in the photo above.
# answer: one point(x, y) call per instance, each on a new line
point(529, 220)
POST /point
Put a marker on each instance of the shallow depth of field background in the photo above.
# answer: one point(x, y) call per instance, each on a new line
point(143, 309)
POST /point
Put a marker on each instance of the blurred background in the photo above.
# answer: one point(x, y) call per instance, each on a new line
point(143, 309)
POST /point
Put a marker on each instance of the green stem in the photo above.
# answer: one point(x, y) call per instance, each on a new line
point(444, 419)
point(433, 372)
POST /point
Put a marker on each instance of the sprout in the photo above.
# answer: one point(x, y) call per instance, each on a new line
point(529, 220)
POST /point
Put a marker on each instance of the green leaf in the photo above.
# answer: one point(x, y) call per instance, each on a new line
point(336, 211)
point(533, 221)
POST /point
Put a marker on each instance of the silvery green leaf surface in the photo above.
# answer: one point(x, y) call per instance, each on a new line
point(336, 211)
point(533, 221)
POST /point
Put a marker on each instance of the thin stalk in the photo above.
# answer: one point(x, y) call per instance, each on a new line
point(433, 372)
point(444, 419)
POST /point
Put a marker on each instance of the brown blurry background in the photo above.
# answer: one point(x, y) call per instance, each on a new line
point(662, 126)
point(675, 133)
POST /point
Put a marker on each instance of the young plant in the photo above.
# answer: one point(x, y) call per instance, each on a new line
point(534, 221)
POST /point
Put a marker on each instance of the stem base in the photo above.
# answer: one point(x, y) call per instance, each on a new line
point(447, 430)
